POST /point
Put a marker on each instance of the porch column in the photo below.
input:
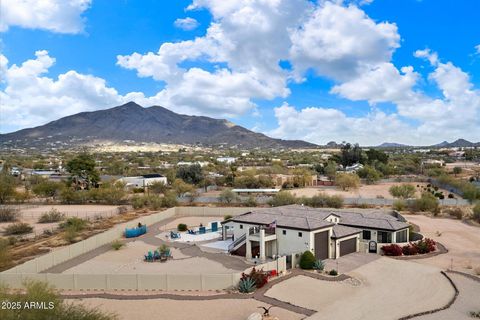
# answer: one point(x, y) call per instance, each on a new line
point(248, 246)
point(262, 244)
point(224, 232)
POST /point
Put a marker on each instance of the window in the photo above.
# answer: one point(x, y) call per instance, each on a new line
point(384, 237)
point(241, 226)
point(402, 236)
point(367, 235)
point(284, 232)
point(300, 234)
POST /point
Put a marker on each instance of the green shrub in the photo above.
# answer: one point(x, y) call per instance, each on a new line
point(319, 265)
point(246, 285)
point(41, 292)
point(70, 234)
point(333, 272)
point(182, 227)
point(399, 205)
point(74, 223)
point(427, 202)
point(163, 248)
point(18, 228)
point(282, 198)
point(227, 217)
point(403, 191)
point(8, 214)
point(51, 216)
point(346, 181)
point(117, 244)
point(323, 200)
point(250, 202)
point(307, 260)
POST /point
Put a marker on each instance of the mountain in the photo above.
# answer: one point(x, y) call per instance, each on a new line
point(391, 145)
point(154, 124)
point(459, 143)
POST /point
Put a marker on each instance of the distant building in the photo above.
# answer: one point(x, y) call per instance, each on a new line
point(143, 181)
point(354, 167)
point(227, 160)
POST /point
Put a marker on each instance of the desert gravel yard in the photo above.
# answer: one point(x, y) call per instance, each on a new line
point(221, 309)
point(382, 289)
point(461, 240)
point(129, 259)
point(468, 300)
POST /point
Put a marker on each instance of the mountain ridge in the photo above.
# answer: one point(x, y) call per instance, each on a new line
point(131, 121)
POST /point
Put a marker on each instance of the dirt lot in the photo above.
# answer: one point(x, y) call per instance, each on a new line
point(365, 191)
point(402, 287)
point(129, 259)
point(462, 241)
point(31, 215)
point(238, 309)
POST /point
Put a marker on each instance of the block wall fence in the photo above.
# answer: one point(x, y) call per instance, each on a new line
point(15, 277)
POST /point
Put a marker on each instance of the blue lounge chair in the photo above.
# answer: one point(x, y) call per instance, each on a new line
point(201, 230)
point(174, 235)
point(191, 231)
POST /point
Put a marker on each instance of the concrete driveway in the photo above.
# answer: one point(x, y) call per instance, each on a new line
point(350, 262)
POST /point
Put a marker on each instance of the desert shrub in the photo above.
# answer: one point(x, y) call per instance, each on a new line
point(425, 246)
point(282, 198)
point(333, 272)
point(392, 250)
point(477, 271)
point(51, 216)
point(319, 265)
point(455, 212)
point(399, 205)
point(409, 249)
point(451, 196)
point(346, 181)
point(307, 260)
point(74, 223)
point(117, 244)
point(182, 227)
point(41, 292)
point(427, 202)
point(18, 228)
point(70, 234)
point(475, 314)
point(122, 210)
point(323, 200)
point(250, 202)
point(4, 254)
point(8, 214)
point(227, 196)
point(403, 191)
point(163, 248)
point(476, 212)
point(227, 217)
point(258, 276)
point(169, 200)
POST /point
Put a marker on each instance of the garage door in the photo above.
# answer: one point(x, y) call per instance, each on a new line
point(348, 246)
point(321, 245)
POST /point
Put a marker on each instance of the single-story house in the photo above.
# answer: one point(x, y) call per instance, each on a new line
point(143, 181)
point(328, 233)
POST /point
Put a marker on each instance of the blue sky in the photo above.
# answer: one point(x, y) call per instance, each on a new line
point(291, 69)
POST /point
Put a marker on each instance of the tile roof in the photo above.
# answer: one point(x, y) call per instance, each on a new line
point(307, 218)
point(340, 231)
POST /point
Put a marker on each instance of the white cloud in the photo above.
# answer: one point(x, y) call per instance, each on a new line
point(384, 83)
point(342, 42)
point(322, 125)
point(30, 98)
point(477, 48)
point(61, 16)
point(187, 23)
point(455, 115)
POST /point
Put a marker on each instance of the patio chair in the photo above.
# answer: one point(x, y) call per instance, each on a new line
point(214, 226)
point(202, 230)
point(156, 255)
point(174, 235)
point(191, 231)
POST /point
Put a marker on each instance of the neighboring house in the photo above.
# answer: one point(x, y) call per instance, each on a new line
point(227, 160)
point(354, 167)
point(328, 233)
point(142, 181)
